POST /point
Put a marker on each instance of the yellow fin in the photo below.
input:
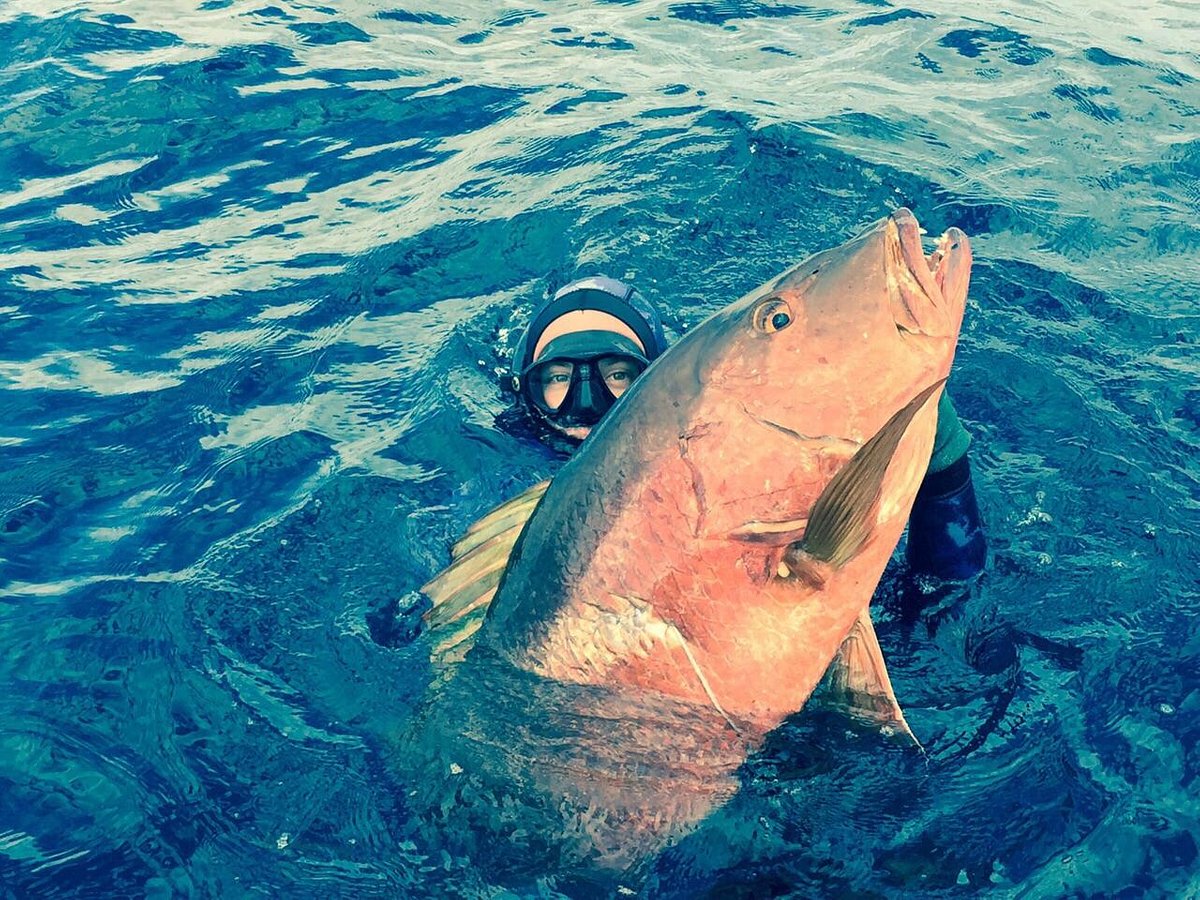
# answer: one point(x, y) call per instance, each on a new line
point(500, 520)
point(454, 592)
point(452, 641)
point(461, 592)
point(858, 680)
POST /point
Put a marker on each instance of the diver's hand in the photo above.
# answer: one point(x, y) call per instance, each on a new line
point(945, 532)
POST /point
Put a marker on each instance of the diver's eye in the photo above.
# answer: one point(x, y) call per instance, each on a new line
point(772, 315)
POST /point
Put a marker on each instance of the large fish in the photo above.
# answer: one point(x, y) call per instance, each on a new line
point(687, 579)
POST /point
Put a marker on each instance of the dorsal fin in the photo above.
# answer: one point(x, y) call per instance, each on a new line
point(841, 520)
point(515, 511)
point(461, 592)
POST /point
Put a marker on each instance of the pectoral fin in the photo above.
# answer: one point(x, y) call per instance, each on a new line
point(842, 518)
point(460, 593)
point(858, 680)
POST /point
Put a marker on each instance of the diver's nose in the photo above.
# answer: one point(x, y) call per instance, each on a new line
point(586, 401)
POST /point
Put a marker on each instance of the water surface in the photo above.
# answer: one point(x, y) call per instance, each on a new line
point(259, 269)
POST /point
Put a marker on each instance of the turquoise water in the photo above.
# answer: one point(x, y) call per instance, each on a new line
point(258, 272)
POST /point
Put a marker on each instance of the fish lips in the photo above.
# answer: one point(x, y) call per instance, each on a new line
point(927, 293)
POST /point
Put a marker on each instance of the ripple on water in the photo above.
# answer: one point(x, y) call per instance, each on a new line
point(260, 270)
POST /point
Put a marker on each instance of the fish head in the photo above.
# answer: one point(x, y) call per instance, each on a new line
point(844, 337)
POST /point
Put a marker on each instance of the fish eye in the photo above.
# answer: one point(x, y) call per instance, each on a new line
point(772, 315)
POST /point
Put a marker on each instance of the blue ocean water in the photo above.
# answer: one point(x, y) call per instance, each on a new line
point(260, 265)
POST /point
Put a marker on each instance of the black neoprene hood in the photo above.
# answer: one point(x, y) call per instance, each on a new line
point(600, 293)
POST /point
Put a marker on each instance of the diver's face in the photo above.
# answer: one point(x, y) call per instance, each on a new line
point(591, 359)
point(616, 372)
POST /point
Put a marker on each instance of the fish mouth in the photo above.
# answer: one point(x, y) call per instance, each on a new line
point(927, 293)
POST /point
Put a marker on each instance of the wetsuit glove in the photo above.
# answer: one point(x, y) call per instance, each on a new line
point(945, 534)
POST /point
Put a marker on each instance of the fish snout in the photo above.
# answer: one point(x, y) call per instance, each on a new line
point(928, 293)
